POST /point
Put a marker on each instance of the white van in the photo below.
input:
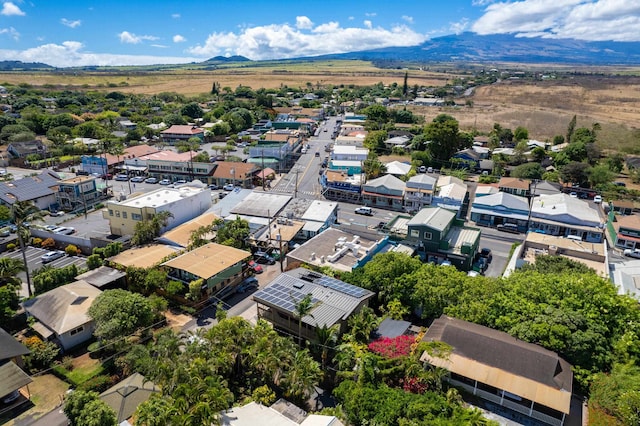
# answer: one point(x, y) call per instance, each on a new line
point(574, 237)
point(303, 150)
point(364, 210)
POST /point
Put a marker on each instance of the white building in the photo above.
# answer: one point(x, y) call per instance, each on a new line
point(183, 203)
point(349, 152)
point(562, 215)
point(319, 216)
point(418, 192)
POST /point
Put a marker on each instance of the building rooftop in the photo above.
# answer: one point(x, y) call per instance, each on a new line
point(255, 414)
point(482, 190)
point(208, 260)
point(168, 155)
point(626, 277)
point(453, 191)
point(262, 204)
point(631, 221)
point(63, 308)
point(340, 176)
point(509, 201)
point(333, 299)
point(349, 149)
point(29, 188)
point(125, 396)
point(565, 209)
point(398, 168)
point(10, 347)
point(160, 197)
point(434, 217)
point(234, 170)
point(515, 183)
point(420, 181)
point(500, 360)
point(181, 234)
point(76, 180)
point(183, 130)
point(337, 249)
point(387, 181)
point(320, 211)
point(101, 276)
point(145, 256)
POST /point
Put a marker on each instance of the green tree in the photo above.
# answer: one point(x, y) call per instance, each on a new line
point(84, 408)
point(118, 313)
point(234, 233)
point(303, 307)
point(570, 129)
point(615, 162)
point(528, 171)
point(445, 137)
point(9, 269)
point(9, 304)
point(24, 213)
point(299, 379)
point(375, 141)
point(373, 167)
point(147, 230)
point(575, 172)
point(521, 134)
point(600, 174)
point(192, 110)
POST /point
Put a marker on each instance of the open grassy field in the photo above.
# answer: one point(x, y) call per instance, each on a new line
point(543, 107)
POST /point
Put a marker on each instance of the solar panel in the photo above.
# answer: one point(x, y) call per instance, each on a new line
point(342, 287)
point(281, 296)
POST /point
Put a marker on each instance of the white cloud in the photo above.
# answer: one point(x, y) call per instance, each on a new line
point(285, 41)
point(460, 26)
point(407, 18)
point(71, 54)
point(178, 38)
point(367, 23)
point(580, 19)
point(303, 23)
point(11, 32)
point(351, 18)
point(161, 46)
point(10, 9)
point(130, 38)
point(370, 14)
point(69, 23)
point(175, 15)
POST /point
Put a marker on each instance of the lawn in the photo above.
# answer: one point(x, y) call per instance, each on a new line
point(84, 368)
point(47, 392)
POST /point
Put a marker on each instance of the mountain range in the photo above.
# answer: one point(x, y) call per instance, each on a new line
point(465, 48)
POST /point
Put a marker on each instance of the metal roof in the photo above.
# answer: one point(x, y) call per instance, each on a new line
point(334, 300)
point(434, 217)
point(101, 276)
point(143, 257)
point(208, 260)
point(10, 347)
point(125, 396)
point(387, 181)
point(29, 188)
point(504, 199)
point(261, 204)
point(12, 378)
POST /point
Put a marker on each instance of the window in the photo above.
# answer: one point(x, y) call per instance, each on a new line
point(124, 215)
point(117, 213)
point(136, 216)
point(76, 331)
point(110, 212)
point(415, 233)
point(427, 235)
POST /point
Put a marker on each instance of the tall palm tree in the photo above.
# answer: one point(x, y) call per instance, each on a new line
point(303, 308)
point(302, 375)
point(327, 338)
point(23, 213)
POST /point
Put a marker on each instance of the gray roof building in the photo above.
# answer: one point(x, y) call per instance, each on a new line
point(10, 348)
point(30, 188)
point(385, 184)
point(261, 204)
point(436, 218)
point(125, 396)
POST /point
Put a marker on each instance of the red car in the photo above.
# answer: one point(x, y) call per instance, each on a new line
point(256, 268)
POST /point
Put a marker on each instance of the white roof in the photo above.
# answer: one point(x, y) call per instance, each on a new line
point(398, 168)
point(349, 149)
point(565, 209)
point(346, 163)
point(454, 191)
point(446, 180)
point(255, 414)
point(319, 211)
point(482, 190)
point(161, 197)
point(388, 181)
point(626, 277)
point(510, 201)
point(421, 181)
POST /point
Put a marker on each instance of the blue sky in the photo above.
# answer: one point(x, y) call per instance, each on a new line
point(136, 32)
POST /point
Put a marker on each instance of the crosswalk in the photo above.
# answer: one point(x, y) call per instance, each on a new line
point(288, 191)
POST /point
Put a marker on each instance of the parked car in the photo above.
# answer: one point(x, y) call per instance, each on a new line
point(11, 397)
point(50, 256)
point(82, 173)
point(5, 232)
point(422, 169)
point(151, 180)
point(264, 259)
point(508, 227)
point(164, 182)
point(248, 284)
point(213, 186)
point(57, 214)
point(180, 182)
point(317, 154)
point(364, 211)
point(50, 228)
point(632, 253)
point(65, 230)
point(303, 151)
point(122, 177)
point(136, 179)
point(485, 252)
point(106, 176)
point(573, 194)
point(597, 199)
point(228, 187)
point(255, 267)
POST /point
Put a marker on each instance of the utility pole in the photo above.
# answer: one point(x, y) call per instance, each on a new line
point(281, 254)
point(295, 193)
point(263, 174)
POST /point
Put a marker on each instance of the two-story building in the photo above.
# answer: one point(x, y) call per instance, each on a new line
point(333, 302)
point(41, 190)
point(319, 216)
point(181, 133)
point(627, 231)
point(220, 267)
point(77, 193)
point(439, 236)
point(386, 192)
point(183, 203)
point(563, 215)
point(451, 193)
point(178, 166)
point(418, 192)
point(339, 185)
point(501, 208)
point(236, 173)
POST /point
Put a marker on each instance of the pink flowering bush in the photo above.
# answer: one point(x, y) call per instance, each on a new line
point(392, 348)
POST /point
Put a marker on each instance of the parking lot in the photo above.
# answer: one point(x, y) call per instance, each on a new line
point(34, 262)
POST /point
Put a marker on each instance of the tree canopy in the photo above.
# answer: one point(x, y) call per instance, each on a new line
point(119, 313)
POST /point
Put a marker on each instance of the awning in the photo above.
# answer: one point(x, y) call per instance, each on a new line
point(43, 331)
point(266, 173)
point(505, 214)
point(265, 160)
point(132, 168)
point(12, 378)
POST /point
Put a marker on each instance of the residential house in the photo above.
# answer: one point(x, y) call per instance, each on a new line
point(351, 139)
point(125, 396)
point(497, 209)
point(484, 190)
point(627, 231)
point(349, 153)
point(563, 215)
point(254, 413)
point(109, 163)
point(77, 193)
point(418, 192)
point(181, 133)
point(340, 186)
point(61, 314)
point(104, 278)
point(397, 168)
point(320, 215)
point(237, 173)
point(178, 166)
point(385, 192)
point(397, 142)
point(180, 236)
point(41, 190)
point(12, 378)
point(440, 236)
point(183, 203)
point(506, 371)
point(148, 256)
point(625, 277)
point(515, 186)
point(338, 249)
point(433, 102)
point(451, 194)
point(468, 156)
point(24, 149)
point(623, 207)
point(333, 302)
point(220, 268)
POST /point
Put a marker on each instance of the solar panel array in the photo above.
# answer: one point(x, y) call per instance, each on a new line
point(282, 297)
point(340, 286)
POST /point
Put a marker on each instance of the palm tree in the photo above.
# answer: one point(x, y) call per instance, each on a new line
point(300, 378)
point(303, 308)
point(23, 213)
point(9, 269)
point(327, 338)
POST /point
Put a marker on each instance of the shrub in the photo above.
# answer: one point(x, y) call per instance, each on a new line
point(392, 348)
point(67, 363)
point(98, 383)
point(94, 261)
point(174, 287)
point(42, 353)
point(264, 395)
point(11, 246)
point(36, 241)
point(72, 250)
point(48, 243)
